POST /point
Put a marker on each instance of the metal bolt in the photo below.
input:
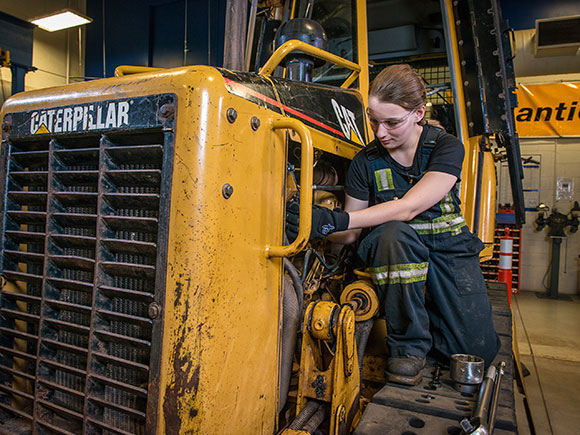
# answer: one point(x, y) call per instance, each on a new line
point(166, 111)
point(436, 382)
point(7, 124)
point(227, 190)
point(319, 386)
point(255, 123)
point(154, 310)
point(232, 115)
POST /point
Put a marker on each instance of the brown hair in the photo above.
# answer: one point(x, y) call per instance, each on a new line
point(400, 85)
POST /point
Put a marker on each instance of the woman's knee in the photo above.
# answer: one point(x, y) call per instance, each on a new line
point(394, 232)
point(392, 243)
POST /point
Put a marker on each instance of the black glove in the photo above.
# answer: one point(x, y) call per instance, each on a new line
point(324, 221)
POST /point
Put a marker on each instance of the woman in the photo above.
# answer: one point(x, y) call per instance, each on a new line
point(421, 254)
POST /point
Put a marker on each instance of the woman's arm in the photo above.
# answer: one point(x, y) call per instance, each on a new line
point(432, 187)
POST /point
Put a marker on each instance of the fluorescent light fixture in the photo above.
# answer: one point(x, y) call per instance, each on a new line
point(60, 20)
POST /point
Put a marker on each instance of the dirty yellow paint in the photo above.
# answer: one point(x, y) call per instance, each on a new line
point(221, 304)
point(338, 381)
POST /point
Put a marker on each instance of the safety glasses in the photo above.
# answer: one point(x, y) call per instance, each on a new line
point(390, 124)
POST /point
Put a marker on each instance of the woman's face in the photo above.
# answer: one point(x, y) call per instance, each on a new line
point(393, 125)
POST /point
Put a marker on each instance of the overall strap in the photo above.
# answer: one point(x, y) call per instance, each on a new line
point(428, 145)
point(431, 136)
point(372, 151)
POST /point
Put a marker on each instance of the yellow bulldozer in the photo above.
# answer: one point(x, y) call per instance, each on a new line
point(147, 286)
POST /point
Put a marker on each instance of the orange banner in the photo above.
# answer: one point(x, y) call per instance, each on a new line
point(548, 110)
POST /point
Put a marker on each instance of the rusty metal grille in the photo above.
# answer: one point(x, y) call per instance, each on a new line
point(80, 261)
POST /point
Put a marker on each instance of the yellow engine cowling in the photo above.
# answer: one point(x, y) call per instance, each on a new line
point(153, 205)
point(214, 311)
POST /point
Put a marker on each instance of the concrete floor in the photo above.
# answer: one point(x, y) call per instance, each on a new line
point(548, 336)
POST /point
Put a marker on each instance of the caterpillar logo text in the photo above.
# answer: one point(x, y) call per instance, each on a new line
point(347, 121)
point(80, 118)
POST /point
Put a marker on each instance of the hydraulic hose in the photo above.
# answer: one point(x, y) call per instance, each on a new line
point(332, 268)
point(316, 420)
point(362, 331)
point(307, 412)
point(290, 322)
point(295, 277)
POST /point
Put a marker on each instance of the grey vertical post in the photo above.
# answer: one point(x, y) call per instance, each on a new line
point(234, 43)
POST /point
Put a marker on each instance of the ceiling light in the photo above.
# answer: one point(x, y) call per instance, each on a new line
point(61, 20)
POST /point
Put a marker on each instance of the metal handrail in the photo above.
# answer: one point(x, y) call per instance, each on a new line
point(123, 70)
point(296, 45)
point(306, 171)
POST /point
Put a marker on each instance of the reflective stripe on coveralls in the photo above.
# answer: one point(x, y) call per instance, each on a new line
point(447, 205)
point(384, 179)
point(452, 223)
point(400, 273)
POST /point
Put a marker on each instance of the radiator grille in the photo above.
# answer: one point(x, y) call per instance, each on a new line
point(80, 260)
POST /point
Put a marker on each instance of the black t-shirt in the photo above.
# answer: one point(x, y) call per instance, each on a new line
point(447, 157)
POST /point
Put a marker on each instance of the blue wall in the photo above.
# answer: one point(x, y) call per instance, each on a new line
point(16, 36)
point(152, 33)
point(523, 14)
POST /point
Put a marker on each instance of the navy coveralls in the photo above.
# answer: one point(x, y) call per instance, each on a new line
point(427, 270)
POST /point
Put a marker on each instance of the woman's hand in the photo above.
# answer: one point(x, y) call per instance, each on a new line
point(324, 221)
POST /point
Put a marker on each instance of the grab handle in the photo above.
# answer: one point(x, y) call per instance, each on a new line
point(296, 45)
point(306, 170)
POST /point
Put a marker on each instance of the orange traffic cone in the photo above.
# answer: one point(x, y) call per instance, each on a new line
point(505, 262)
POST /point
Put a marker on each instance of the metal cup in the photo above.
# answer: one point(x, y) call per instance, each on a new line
point(466, 372)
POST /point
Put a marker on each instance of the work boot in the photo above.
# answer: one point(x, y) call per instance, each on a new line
point(406, 370)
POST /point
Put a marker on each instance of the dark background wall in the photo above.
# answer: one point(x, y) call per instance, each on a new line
point(522, 14)
point(153, 33)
